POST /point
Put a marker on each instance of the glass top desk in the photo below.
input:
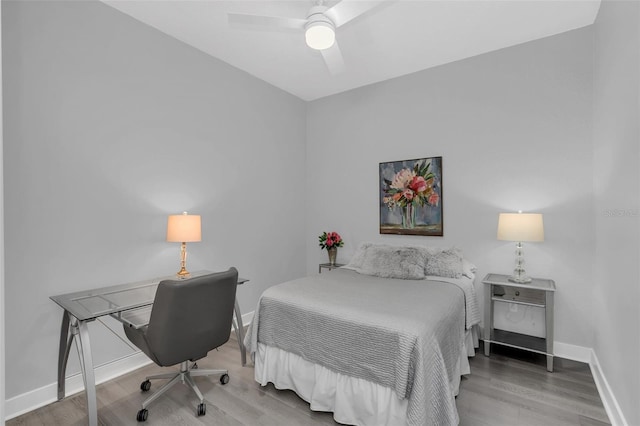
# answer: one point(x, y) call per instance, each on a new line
point(129, 303)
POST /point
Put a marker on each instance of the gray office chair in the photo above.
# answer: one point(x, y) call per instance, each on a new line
point(188, 319)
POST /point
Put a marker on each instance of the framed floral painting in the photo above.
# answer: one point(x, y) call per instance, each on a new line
point(411, 197)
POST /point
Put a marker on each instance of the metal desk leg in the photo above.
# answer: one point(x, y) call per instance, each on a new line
point(83, 345)
point(240, 334)
point(66, 339)
point(69, 329)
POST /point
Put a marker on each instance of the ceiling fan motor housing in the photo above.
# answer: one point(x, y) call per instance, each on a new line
point(316, 15)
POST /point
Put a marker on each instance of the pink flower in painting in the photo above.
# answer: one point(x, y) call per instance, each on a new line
point(408, 194)
point(433, 199)
point(402, 179)
point(418, 184)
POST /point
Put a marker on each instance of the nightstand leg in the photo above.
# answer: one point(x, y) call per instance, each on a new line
point(549, 329)
point(488, 318)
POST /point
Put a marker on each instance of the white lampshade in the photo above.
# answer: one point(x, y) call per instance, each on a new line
point(520, 227)
point(184, 228)
point(320, 35)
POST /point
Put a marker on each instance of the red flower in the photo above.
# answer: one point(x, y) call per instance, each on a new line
point(330, 239)
point(418, 184)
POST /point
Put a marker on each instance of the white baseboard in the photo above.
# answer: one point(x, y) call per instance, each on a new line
point(572, 352)
point(47, 394)
point(588, 356)
point(616, 417)
point(247, 318)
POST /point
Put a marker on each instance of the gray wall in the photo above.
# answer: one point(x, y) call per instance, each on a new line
point(2, 316)
point(513, 128)
point(109, 127)
point(616, 181)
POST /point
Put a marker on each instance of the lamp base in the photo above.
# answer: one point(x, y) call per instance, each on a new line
point(520, 279)
point(519, 276)
point(183, 274)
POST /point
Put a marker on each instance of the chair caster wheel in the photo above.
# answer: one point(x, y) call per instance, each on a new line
point(224, 379)
point(142, 415)
point(202, 409)
point(145, 386)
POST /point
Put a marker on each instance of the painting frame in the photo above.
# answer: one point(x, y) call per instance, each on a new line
point(411, 197)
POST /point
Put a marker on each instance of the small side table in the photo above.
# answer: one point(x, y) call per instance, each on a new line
point(539, 293)
point(328, 266)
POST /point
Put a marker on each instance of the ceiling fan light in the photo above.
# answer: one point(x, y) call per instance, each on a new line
point(320, 35)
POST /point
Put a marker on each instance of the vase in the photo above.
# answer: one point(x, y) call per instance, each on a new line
point(333, 252)
point(408, 216)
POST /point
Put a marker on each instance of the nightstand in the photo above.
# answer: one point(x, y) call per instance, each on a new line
point(538, 293)
point(328, 266)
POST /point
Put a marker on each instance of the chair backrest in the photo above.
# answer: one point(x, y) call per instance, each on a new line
point(191, 317)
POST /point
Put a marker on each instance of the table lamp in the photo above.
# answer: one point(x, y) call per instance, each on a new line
point(520, 227)
point(183, 228)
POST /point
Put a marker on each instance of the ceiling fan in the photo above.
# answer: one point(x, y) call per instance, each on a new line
point(319, 26)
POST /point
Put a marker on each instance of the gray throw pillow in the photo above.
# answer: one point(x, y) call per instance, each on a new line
point(446, 263)
point(384, 261)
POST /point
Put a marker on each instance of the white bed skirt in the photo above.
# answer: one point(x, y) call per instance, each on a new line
point(352, 400)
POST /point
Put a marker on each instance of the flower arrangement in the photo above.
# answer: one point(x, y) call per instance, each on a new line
point(329, 240)
point(412, 187)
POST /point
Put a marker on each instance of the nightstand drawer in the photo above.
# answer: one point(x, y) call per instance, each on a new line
point(527, 296)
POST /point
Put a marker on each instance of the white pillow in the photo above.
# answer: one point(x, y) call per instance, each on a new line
point(358, 256)
point(407, 263)
point(468, 268)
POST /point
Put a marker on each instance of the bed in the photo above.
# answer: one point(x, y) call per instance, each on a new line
point(373, 348)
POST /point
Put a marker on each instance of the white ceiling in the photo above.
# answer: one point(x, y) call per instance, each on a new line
point(393, 39)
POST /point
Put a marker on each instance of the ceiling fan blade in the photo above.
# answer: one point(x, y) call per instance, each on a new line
point(333, 58)
point(266, 21)
point(346, 10)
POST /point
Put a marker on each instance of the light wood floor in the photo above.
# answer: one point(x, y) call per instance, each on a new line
point(509, 388)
